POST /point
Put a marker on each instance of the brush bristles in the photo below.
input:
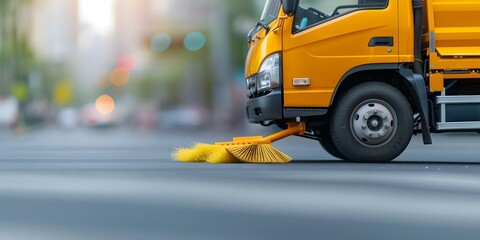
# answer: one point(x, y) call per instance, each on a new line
point(204, 153)
point(199, 153)
point(261, 153)
point(221, 155)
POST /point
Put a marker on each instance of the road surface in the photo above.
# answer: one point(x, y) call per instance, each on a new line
point(122, 184)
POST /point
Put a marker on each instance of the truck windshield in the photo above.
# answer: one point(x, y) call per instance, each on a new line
point(312, 12)
point(270, 12)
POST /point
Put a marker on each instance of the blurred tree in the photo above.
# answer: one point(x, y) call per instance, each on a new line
point(239, 10)
point(16, 55)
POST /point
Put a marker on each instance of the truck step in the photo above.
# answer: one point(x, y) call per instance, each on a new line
point(459, 112)
point(458, 126)
point(471, 99)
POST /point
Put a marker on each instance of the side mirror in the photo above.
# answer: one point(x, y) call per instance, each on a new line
point(290, 6)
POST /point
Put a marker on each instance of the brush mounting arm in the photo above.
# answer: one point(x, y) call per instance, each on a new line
point(293, 129)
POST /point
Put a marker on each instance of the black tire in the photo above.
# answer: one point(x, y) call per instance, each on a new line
point(327, 143)
point(373, 122)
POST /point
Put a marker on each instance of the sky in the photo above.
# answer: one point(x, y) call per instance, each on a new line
point(97, 14)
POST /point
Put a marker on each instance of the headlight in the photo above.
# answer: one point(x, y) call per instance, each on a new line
point(269, 74)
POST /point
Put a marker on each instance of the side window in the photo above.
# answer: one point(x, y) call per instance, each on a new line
point(313, 12)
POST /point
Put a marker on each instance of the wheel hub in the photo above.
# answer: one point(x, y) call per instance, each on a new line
point(373, 123)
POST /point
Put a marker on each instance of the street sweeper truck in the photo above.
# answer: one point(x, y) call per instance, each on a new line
point(360, 76)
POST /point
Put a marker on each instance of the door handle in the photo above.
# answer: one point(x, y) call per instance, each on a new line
point(381, 42)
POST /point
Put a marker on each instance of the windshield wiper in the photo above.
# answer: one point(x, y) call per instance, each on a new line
point(253, 31)
point(263, 25)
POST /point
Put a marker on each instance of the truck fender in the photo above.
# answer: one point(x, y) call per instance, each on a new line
point(416, 85)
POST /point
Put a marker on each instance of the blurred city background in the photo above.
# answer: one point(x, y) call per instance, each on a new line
point(96, 94)
point(145, 64)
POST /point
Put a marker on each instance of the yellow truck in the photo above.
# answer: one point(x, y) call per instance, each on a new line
point(365, 75)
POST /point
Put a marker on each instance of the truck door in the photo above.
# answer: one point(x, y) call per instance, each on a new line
point(325, 39)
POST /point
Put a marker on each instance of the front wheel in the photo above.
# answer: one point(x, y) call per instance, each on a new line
point(327, 143)
point(373, 122)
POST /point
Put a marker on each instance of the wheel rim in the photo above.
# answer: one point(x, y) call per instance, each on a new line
point(374, 123)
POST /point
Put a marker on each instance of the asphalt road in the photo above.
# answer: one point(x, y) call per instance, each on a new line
point(122, 184)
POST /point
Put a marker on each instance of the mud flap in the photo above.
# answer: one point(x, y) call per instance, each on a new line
point(419, 92)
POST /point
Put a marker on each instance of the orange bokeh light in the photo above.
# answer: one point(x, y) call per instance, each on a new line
point(119, 77)
point(105, 104)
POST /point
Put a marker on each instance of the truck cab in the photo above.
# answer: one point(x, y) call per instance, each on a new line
point(359, 73)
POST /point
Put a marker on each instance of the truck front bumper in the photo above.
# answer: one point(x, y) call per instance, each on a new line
point(265, 108)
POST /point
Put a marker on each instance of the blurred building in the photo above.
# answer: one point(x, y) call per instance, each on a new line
point(136, 22)
point(55, 29)
point(133, 23)
point(87, 39)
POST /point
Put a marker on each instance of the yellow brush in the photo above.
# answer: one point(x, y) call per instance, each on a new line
point(199, 153)
point(256, 149)
point(204, 153)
